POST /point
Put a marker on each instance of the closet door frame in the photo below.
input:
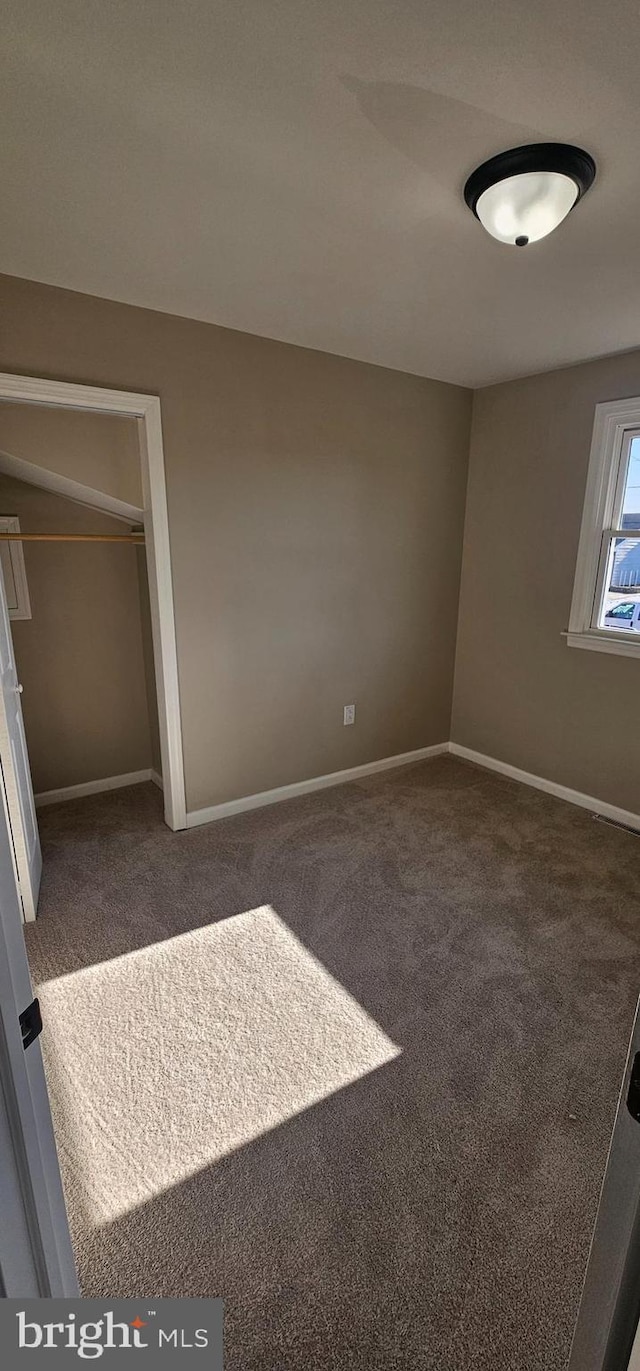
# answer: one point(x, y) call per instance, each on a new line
point(145, 409)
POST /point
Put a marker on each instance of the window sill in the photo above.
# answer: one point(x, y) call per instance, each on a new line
point(603, 641)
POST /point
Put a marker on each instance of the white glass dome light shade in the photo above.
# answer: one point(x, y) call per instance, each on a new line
point(526, 207)
point(523, 194)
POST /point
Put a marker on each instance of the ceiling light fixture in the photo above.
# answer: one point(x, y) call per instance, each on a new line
point(522, 195)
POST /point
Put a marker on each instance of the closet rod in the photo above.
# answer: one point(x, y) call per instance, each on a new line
point(72, 537)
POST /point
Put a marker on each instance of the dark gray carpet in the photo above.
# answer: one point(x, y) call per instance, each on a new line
point(373, 1113)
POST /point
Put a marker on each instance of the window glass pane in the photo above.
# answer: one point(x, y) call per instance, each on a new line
point(631, 501)
point(621, 599)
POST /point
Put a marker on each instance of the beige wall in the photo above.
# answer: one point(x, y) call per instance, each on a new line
point(97, 450)
point(80, 657)
point(315, 514)
point(522, 695)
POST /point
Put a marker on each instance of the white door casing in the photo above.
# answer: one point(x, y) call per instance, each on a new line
point(146, 409)
point(608, 1314)
point(36, 1256)
point(16, 775)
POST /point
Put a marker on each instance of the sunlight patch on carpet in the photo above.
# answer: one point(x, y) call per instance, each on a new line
point(164, 1060)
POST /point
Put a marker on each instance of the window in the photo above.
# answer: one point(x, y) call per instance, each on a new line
point(13, 570)
point(605, 611)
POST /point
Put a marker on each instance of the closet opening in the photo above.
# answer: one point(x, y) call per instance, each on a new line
point(88, 679)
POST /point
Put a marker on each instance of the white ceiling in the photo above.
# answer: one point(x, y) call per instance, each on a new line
point(294, 168)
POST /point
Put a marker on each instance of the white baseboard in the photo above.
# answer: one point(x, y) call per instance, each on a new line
point(75, 792)
point(289, 792)
point(562, 792)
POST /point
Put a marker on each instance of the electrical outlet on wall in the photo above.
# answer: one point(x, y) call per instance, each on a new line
point(349, 715)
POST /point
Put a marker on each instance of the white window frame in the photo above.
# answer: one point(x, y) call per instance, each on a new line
point(616, 423)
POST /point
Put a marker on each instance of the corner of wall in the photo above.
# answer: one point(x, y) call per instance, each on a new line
point(452, 712)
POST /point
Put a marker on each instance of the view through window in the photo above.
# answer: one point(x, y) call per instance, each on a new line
point(620, 603)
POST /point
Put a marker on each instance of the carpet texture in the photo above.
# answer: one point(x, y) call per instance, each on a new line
point(350, 1062)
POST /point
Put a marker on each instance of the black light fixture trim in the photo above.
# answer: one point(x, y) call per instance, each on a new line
point(544, 157)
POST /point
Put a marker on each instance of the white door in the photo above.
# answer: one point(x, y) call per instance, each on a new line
point(16, 776)
point(36, 1257)
point(606, 1335)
